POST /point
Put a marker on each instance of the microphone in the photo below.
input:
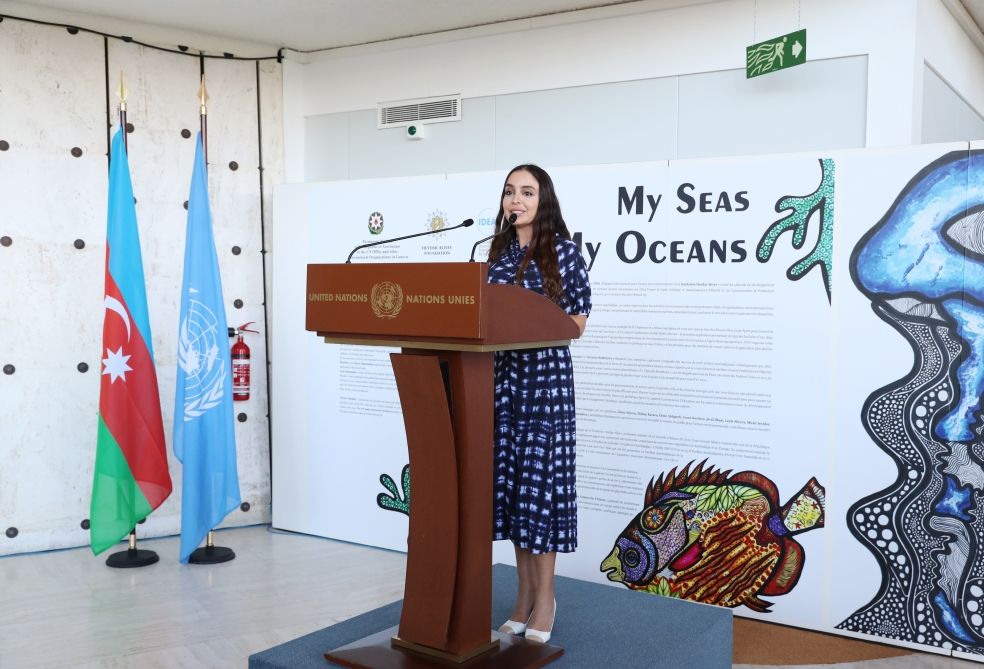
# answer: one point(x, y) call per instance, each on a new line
point(464, 224)
point(509, 222)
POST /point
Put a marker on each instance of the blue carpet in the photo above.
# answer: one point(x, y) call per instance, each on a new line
point(597, 625)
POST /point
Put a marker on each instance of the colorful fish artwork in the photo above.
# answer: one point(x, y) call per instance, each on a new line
point(709, 536)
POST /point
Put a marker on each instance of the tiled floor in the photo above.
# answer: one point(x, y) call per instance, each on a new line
point(67, 609)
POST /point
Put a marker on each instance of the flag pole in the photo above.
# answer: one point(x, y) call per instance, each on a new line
point(132, 556)
point(210, 553)
point(203, 117)
point(122, 93)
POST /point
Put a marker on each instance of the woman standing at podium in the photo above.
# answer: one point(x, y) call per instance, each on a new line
point(535, 494)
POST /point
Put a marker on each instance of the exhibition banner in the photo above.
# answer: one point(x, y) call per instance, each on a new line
point(778, 390)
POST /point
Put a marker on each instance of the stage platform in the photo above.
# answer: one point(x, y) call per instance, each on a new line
point(597, 625)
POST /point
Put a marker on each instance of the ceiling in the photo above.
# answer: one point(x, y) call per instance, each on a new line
point(976, 10)
point(308, 25)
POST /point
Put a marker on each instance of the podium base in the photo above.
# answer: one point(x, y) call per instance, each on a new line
point(132, 557)
point(450, 658)
point(378, 652)
point(211, 555)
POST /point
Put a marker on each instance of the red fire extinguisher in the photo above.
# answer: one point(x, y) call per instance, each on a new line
point(240, 364)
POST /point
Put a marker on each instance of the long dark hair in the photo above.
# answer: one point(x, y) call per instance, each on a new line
point(547, 226)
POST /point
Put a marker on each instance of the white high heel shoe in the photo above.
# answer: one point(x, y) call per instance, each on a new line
point(539, 635)
point(514, 626)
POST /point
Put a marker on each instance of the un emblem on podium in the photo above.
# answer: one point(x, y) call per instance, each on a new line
point(386, 299)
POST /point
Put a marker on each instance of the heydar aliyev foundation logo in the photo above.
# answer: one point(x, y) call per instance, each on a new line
point(198, 355)
point(386, 299)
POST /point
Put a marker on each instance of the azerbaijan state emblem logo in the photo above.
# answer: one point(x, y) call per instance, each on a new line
point(375, 223)
point(386, 299)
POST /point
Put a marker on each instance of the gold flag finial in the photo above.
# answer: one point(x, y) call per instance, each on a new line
point(121, 92)
point(203, 96)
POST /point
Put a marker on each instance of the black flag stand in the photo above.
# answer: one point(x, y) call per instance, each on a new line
point(132, 556)
point(210, 553)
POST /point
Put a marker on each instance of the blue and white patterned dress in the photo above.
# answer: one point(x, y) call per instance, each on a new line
point(535, 436)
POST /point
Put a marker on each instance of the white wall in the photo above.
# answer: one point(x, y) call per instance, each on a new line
point(946, 115)
point(54, 99)
point(951, 85)
point(818, 106)
point(615, 44)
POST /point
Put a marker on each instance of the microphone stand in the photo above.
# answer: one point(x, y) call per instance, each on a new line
point(464, 224)
point(509, 222)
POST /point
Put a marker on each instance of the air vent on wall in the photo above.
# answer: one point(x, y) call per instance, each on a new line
point(419, 112)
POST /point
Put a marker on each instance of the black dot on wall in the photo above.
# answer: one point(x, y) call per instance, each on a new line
point(233, 165)
point(82, 367)
point(244, 506)
point(6, 241)
point(182, 47)
point(72, 30)
point(229, 55)
point(238, 304)
point(134, 200)
point(236, 250)
point(185, 133)
point(8, 369)
point(79, 244)
point(4, 145)
point(126, 38)
point(185, 205)
point(11, 532)
point(84, 524)
point(129, 127)
point(241, 418)
point(77, 152)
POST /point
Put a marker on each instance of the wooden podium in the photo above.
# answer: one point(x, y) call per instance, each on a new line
point(448, 321)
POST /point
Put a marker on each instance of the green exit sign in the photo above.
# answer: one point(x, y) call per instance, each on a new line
point(775, 54)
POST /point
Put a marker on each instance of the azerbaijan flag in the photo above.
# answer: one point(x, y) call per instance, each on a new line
point(131, 474)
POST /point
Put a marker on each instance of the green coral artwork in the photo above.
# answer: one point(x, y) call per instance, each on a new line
point(395, 501)
point(801, 210)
